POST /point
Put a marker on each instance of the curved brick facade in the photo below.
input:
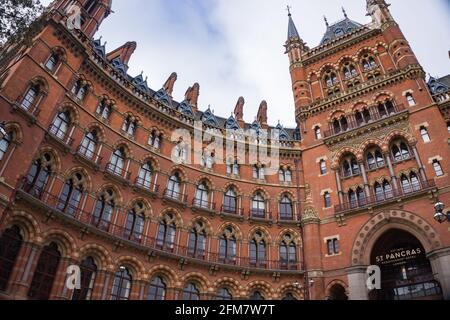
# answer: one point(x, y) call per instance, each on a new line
point(87, 176)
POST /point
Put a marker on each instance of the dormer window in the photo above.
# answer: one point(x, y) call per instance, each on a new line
point(339, 32)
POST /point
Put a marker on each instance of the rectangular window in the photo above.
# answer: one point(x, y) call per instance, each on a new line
point(425, 135)
point(437, 168)
point(327, 200)
point(323, 167)
point(333, 246)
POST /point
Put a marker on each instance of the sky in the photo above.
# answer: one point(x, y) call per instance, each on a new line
point(234, 48)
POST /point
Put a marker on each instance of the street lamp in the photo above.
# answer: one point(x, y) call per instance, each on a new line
point(439, 215)
point(2, 130)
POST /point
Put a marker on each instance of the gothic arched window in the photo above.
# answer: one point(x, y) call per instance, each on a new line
point(88, 274)
point(135, 222)
point(103, 210)
point(191, 292)
point(103, 109)
point(117, 162)
point(400, 151)
point(5, 142)
point(60, 125)
point(89, 144)
point(38, 176)
point(157, 289)
point(258, 206)
point(230, 201)
point(202, 196)
point(145, 175)
point(45, 273)
point(122, 284)
point(166, 233)
point(288, 253)
point(224, 294)
point(227, 246)
point(10, 244)
point(70, 197)
point(197, 241)
point(258, 250)
point(286, 208)
point(174, 186)
point(30, 98)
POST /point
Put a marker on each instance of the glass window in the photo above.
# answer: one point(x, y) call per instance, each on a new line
point(122, 284)
point(89, 144)
point(258, 206)
point(45, 273)
point(230, 201)
point(323, 167)
point(327, 199)
point(410, 99)
point(224, 294)
point(201, 196)
point(30, 97)
point(190, 292)
point(134, 226)
point(318, 133)
point(10, 244)
point(4, 145)
point(117, 162)
point(257, 296)
point(145, 175)
point(60, 125)
point(157, 289)
point(286, 209)
point(174, 187)
point(437, 168)
point(166, 233)
point(52, 62)
point(103, 109)
point(88, 274)
point(425, 135)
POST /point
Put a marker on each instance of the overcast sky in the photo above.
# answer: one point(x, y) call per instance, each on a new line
point(235, 48)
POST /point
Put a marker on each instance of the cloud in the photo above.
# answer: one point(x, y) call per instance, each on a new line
point(235, 48)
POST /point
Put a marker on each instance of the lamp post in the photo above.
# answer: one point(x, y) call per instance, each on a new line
point(306, 288)
point(439, 215)
point(2, 130)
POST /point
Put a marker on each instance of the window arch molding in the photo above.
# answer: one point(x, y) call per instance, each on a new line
point(134, 266)
point(15, 131)
point(65, 242)
point(236, 231)
point(97, 252)
point(118, 197)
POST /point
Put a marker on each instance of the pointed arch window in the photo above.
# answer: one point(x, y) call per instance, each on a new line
point(145, 175)
point(230, 204)
point(38, 176)
point(174, 186)
point(166, 233)
point(259, 172)
point(224, 294)
point(233, 167)
point(5, 142)
point(356, 198)
point(89, 144)
point(330, 78)
point(79, 90)
point(103, 210)
point(285, 175)
point(52, 61)
point(11, 242)
point(410, 183)
point(257, 296)
point(227, 246)
point(134, 226)
point(129, 125)
point(122, 284)
point(117, 162)
point(375, 159)
point(70, 197)
point(258, 250)
point(202, 196)
point(368, 63)
point(286, 209)
point(103, 109)
point(60, 125)
point(154, 140)
point(258, 206)
point(197, 241)
point(400, 151)
point(157, 289)
point(350, 166)
point(45, 273)
point(191, 292)
point(30, 97)
point(349, 71)
point(288, 253)
point(88, 275)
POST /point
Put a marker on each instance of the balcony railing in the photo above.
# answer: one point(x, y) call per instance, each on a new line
point(379, 199)
point(230, 210)
point(260, 214)
point(203, 204)
point(146, 185)
point(60, 135)
point(89, 155)
point(284, 217)
point(175, 195)
point(118, 171)
point(77, 215)
point(352, 124)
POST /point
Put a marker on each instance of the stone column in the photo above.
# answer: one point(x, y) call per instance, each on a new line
point(339, 186)
point(366, 180)
point(357, 279)
point(419, 163)
point(25, 265)
point(387, 156)
point(440, 263)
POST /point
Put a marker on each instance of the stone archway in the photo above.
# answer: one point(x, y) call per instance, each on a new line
point(375, 228)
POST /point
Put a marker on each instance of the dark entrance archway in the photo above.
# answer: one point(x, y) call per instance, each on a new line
point(406, 272)
point(337, 292)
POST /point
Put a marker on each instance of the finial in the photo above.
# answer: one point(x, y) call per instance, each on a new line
point(288, 8)
point(146, 77)
point(345, 12)
point(326, 21)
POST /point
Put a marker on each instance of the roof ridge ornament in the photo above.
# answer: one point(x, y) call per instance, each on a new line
point(345, 13)
point(326, 21)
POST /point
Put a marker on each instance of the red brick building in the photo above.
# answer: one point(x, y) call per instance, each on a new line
point(87, 177)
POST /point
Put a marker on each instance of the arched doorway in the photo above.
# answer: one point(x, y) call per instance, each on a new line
point(337, 293)
point(406, 272)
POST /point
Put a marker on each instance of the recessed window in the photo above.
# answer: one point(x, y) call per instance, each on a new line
point(318, 133)
point(327, 199)
point(52, 62)
point(425, 135)
point(323, 167)
point(333, 246)
point(410, 99)
point(437, 168)
point(448, 126)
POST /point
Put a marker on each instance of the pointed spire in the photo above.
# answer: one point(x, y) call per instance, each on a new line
point(292, 29)
point(326, 21)
point(345, 13)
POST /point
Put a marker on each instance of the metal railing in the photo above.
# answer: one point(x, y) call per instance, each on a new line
point(146, 185)
point(89, 155)
point(60, 134)
point(118, 171)
point(232, 210)
point(48, 200)
point(175, 195)
point(375, 116)
point(378, 199)
point(203, 204)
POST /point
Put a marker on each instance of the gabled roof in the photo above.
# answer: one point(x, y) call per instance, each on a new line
point(140, 82)
point(232, 124)
point(283, 133)
point(162, 96)
point(119, 66)
point(340, 29)
point(186, 108)
point(99, 48)
point(438, 85)
point(209, 118)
